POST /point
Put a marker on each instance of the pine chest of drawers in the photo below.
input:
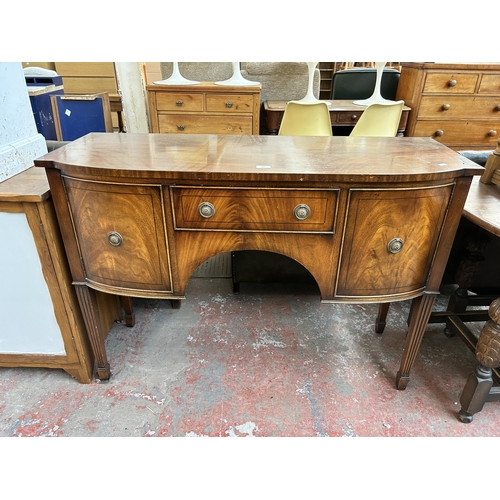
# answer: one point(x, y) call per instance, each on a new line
point(204, 109)
point(455, 104)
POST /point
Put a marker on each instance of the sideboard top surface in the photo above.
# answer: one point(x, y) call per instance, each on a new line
point(259, 158)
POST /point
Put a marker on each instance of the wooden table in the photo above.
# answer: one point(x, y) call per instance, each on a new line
point(372, 219)
point(342, 114)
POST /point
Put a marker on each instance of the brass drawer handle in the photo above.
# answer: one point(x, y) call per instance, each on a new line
point(301, 212)
point(452, 83)
point(497, 107)
point(492, 133)
point(229, 104)
point(445, 107)
point(206, 209)
point(115, 239)
point(180, 127)
point(395, 245)
point(354, 117)
point(179, 103)
point(439, 133)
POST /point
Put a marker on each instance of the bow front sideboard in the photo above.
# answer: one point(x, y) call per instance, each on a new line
point(372, 219)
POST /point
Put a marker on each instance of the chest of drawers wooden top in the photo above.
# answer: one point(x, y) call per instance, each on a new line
point(206, 108)
point(456, 104)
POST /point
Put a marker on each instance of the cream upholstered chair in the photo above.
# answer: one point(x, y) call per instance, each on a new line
point(380, 119)
point(306, 118)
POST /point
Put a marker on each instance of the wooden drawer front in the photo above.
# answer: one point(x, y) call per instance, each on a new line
point(453, 83)
point(460, 132)
point(229, 103)
point(490, 83)
point(179, 102)
point(135, 213)
point(255, 209)
point(457, 107)
point(349, 118)
point(374, 219)
point(205, 124)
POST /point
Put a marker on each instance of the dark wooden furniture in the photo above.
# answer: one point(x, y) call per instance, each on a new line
point(372, 219)
point(482, 212)
point(342, 114)
point(28, 193)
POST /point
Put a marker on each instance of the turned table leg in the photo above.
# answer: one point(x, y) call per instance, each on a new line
point(421, 308)
point(88, 304)
point(478, 386)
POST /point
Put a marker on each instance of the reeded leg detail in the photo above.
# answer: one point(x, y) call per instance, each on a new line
point(88, 304)
point(420, 310)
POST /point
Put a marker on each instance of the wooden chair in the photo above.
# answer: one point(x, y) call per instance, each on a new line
point(78, 115)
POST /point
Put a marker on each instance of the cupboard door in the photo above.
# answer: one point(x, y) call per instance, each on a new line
point(121, 234)
point(390, 239)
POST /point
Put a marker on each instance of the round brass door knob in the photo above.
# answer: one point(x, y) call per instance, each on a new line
point(395, 245)
point(206, 209)
point(301, 212)
point(115, 239)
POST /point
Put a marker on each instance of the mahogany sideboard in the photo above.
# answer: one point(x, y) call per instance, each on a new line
point(343, 113)
point(372, 219)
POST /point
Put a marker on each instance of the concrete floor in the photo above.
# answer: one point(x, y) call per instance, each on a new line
point(271, 361)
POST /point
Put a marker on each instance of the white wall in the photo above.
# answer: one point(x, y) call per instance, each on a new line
point(20, 142)
point(27, 320)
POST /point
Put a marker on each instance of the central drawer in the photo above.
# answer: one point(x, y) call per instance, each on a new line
point(242, 209)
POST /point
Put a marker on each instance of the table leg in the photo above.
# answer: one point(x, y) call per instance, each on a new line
point(90, 310)
point(478, 387)
point(420, 311)
point(380, 322)
point(128, 307)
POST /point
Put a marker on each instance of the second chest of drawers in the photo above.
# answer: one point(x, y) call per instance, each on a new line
point(456, 104)
point(204, 109)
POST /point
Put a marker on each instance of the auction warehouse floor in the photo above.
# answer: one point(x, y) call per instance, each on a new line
point(270, 361)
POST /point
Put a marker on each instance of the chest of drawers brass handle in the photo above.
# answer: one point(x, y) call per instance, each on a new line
point(179, 103)
point(497, 107)
point(301, 212)
point(439, 133)
point(354, 117)
point(452, 83)
point(206, 209)
point(180, 127)
point(492, 133)
point(445, 107)
point(229, 104)
point(115, 239)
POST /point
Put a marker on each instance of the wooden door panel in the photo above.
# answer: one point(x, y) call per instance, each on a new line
point(377, 218)
point(120, 233)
